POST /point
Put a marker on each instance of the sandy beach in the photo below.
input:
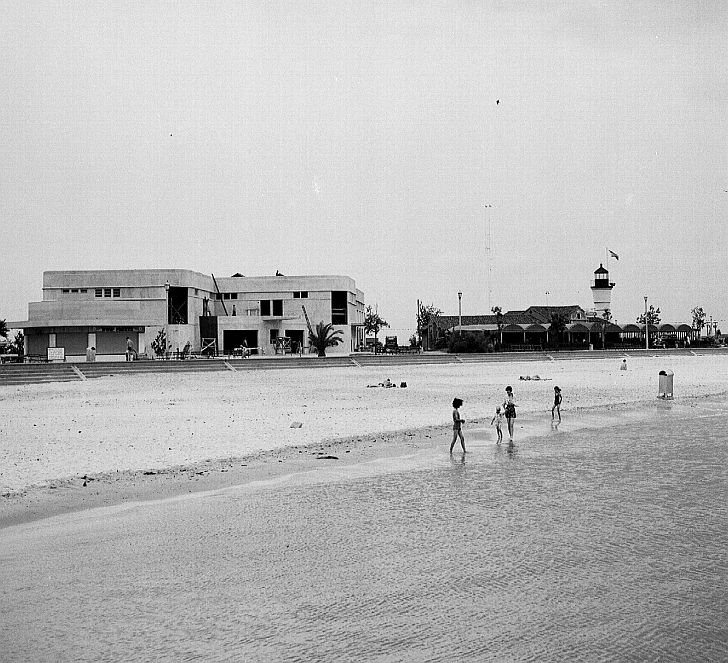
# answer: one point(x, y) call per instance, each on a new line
point(71, 446)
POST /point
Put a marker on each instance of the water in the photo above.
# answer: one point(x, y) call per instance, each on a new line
point(604, 544)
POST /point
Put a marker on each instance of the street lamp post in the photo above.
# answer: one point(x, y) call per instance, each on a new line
point(460, 313)
point(166, 318)
point(647, 328)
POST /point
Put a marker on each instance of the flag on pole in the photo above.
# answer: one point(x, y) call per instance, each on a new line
point(613, 254)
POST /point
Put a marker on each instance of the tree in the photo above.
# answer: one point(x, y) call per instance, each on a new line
point(17, 346)
point(698, 319)
point(498, 312)
point(324, 336)
point(373, 324)
point(3, 329)
point(558, 325)
point(653, 317)
point(425, 316)
point(606, 316)
point(159, 344)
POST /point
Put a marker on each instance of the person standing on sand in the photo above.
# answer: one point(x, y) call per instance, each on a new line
point(130, 353)
point(509, 408)
point(498, 418)
point(457, 425)
point(557, 404)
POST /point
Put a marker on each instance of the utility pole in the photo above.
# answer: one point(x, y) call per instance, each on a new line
point(460, 313)
point(647, 328)
point(166, 318)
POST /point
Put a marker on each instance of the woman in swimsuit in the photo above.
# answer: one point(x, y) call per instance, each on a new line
point(509, 408)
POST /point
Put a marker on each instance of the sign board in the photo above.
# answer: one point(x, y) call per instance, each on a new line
point(56, 354)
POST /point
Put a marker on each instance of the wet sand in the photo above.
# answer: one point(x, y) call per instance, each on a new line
point(73, 446)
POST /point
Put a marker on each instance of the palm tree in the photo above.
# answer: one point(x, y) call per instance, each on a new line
point(3, 329)
point(325, 336)
point(498, 311)
point(558, 325)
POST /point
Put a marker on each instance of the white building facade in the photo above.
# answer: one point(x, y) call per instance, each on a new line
point(101, 309)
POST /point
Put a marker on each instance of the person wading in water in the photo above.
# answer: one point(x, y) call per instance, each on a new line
point(509, 409)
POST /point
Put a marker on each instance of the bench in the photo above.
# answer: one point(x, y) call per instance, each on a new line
point(42, 359)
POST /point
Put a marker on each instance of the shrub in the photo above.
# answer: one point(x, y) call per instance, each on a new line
point(469, 342)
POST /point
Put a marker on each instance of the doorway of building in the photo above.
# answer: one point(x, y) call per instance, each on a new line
point(177, 306)
point(296, 336)
point(237, 338)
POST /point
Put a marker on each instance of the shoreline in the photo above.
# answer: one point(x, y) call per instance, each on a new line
point(81, 493)
point(135, 438)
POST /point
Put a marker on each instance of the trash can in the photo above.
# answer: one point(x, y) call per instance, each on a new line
point(91, 354)
point(665, 388)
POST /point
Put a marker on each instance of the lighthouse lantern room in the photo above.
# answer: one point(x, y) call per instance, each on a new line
point(602, 291)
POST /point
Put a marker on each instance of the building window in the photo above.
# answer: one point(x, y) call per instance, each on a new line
point(339, 299)
point(273, 336)
point(107, 292)
point(83, 290)
point(226, 295)
point(303, 294)
point(65, 291)
point(117, 292)
point(98, 292)
point(277, 307)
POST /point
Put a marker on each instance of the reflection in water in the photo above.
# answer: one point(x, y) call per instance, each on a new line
point(508, 448)
point(601, 545)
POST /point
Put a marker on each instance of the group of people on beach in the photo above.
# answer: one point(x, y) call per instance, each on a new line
point(507, 411)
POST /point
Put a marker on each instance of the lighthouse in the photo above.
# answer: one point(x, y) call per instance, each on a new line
point(602, 291)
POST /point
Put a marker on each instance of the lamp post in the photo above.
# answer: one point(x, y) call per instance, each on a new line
point(166, 318)
point(647, 328)
point(460, 313)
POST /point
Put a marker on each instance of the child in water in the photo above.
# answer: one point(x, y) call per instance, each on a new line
point(498, 418)
point(457, 423)
point(557, 404)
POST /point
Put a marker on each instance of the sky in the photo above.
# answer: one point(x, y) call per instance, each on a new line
point(498, 149)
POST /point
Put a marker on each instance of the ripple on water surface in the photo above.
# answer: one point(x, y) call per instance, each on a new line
point(603, 544)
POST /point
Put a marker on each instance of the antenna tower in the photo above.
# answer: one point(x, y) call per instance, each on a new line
point(487, 257)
